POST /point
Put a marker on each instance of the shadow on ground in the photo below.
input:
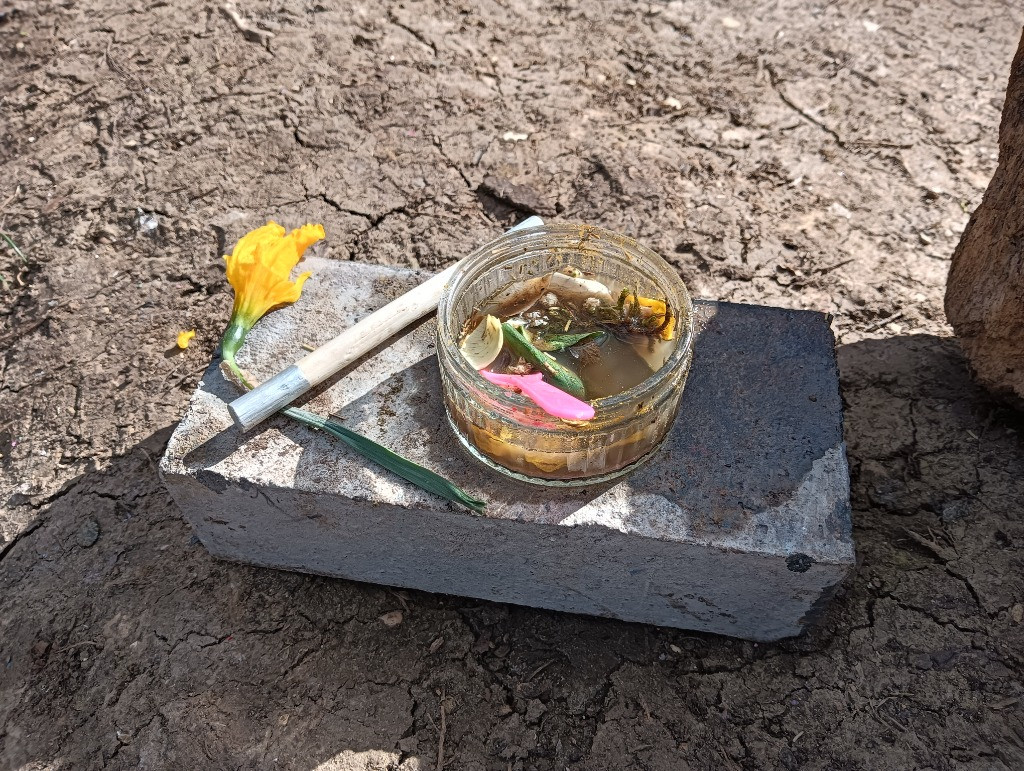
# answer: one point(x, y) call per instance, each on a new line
point(123, 644)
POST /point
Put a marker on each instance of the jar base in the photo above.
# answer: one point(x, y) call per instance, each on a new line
point(541, 481)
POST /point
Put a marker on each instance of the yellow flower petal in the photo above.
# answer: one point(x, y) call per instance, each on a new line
point(184, 338)
point(306, 236)
point(259, 268)
point(658, 309)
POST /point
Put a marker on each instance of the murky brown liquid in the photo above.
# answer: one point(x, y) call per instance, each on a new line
point(616, 365)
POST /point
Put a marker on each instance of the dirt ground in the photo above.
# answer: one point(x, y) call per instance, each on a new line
point(786, 152)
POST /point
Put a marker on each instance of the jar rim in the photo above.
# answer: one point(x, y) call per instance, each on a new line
point(528, 239)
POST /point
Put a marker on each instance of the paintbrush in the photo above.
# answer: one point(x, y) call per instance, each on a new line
point(288, 385)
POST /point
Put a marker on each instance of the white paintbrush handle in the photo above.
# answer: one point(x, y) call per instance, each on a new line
point(373, 330)
point(281, 390)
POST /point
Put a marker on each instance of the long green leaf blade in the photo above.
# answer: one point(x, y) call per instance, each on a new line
point(393, 462)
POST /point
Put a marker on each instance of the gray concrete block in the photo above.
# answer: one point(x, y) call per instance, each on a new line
point(740, 525)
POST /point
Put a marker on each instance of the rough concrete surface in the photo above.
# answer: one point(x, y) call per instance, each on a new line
point(804, 155)
point(739, 525)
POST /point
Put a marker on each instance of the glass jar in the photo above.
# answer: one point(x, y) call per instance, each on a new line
point(509, 433)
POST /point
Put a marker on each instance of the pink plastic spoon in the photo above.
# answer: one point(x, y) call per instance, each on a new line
point(552, 400)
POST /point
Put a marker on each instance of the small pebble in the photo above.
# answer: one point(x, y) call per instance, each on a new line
point(840, 210)
point(591, 304)
point(146, 222)
point(549, 300)
point(392, 618)
point(88, 533)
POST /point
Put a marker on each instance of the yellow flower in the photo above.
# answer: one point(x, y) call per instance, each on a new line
point(259, 269)
point(184, 338)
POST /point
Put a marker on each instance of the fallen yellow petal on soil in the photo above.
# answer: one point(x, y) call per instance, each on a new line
point(185, 337)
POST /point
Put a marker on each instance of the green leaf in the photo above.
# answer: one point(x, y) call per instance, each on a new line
point(559, 342)
point(403, 467)
point(13, 245)
point(393, 462)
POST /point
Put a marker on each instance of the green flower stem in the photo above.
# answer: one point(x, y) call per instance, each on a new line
point(235, 369)
point(382, 456)
point(232, 341)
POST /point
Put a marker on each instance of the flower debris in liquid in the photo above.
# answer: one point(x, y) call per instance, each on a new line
point(609, 336)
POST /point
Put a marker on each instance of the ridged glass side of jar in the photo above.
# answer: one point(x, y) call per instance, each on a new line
point(508, 432)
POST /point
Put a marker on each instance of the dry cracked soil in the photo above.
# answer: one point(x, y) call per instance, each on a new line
point(798, 153)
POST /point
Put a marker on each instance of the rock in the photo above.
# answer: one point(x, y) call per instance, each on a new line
point(88, 533)
point(737, 137)
point(409, 744)
point(985, 290)
point(740, 525)
point(535, 709)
